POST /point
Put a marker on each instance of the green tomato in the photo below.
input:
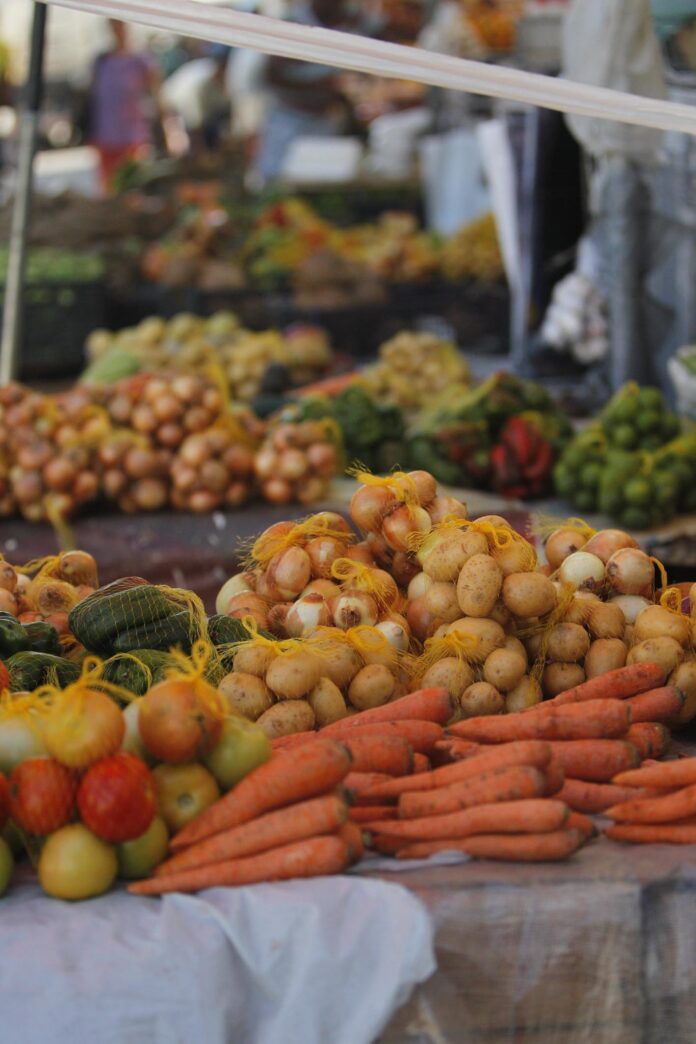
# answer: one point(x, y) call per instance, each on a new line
point(243, 746)
point(76, 864)
point(6, 866)
point(138, 858)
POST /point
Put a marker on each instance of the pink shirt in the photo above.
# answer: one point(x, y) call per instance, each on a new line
point(120, 92)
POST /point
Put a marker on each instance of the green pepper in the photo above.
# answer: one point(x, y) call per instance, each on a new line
point(13, 637)
point(43, 638)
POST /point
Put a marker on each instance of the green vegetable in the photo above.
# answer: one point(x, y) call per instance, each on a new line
point(28, 670)
point(43, 638)
point(13, 637)
point(116, 364)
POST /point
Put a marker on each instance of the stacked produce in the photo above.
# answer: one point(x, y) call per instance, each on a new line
point(52, 265)
point(474, 252)
point(297, 461)
point(632, 463)
point(413, 368)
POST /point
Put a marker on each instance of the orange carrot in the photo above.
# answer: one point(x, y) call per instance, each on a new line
point(582, 823)
point(595, 719)
point(678, 805)
point(421, 763)
point(422, 735)
point(360, 782)
point(663, 774)
point(392, 755)
point(582, 796)
point(616, 685)
point(555, 777)
point(680, 833)
point(512, 848)
point(503, 784)
point(527, 752)
point(296, 739)
point(329, 386)
point(534, 816)
point(384, 844)
point(352, 834)
point(424, 705)
point(310, 858)
point(299, 774)
point(458, 749)
point(656, 705)
point(311, 818)
point(597, 760)
point(650, 737)
point(368, 813)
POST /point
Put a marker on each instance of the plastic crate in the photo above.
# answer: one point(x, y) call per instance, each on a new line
point(56, 321)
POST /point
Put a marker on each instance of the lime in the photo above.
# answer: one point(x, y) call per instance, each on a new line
point(590, 475)
point(625, 410)
point(671, 427)
point(638, 492)
point(648, 421)
point(635, 518)
point(652, 442)
point(625, 436)
point(6, 865)
point(651, 399)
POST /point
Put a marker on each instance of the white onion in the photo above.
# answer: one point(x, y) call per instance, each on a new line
point(582, 570)
point(561, 544)
point(234, 586)
point(630, 606)
point(630, 571)
point(354, 610)
point(395, 634)
point(607, 541)
point(419, 585)
point(306, 615)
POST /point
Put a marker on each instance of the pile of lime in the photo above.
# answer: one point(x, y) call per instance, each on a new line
point(638, 419)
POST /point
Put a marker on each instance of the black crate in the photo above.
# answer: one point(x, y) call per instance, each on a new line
point(57, 319)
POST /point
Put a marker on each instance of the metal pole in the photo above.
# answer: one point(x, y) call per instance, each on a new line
point(21, 212)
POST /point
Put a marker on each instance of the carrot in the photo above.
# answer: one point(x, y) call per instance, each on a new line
point(582, 823)
point(665, 809)
point(424, 705)
point(311, 818)
point(506, 784)
point(663, 774)
point(294, 740)
point(649, 737)
point(299, 774)
point(458, 749)
point(595, 719)
point(313, 857)
point(329, 386)
point(656, 705)
point(532, 752)
point(392, 755)
point(616, 685)
point(422, 735)
point(368, 813)
point(534, 816)
point(555, 777)
point(359, 782)
point(597, 760)
point(384, 844)
point(514, 848)
point(582, 796)
point(681, 833)
point(352, 834)
point(421, 763)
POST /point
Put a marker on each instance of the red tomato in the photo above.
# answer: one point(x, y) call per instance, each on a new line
point(116, 798)
point(4, 799)
point(42, 795)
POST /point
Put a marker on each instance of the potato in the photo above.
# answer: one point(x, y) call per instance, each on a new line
point(607, 621)
point(441, 602)
point(444, 560)
point(293, 675)
point(665, 651)
point(605, 654)
point(283, 719)
point(246, 694)
point(253, 659)
point(526, 693)
point(340, 662)
point(516, 646)
point(529, 594)
point(481, 698)
point(502, 615)
point(580, 608)
point(371, 687)
point(488, 634)
point(478, 586)
point(516, 557)
point(326, 700)
point(684, 679)
point(567, 643)
point(533, 645)
point(558, 677)
point(451, 673)
point(658, 622)
point(504, 669)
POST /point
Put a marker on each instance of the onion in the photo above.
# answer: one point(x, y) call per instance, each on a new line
point(86, 486)
point(8, 577)
point(26, 486)
point(170, 435)
point(368, 506)
point(321, 457)
point(306, 615)
point(604, 543)
point(630, 606)
point(310, 490)
point(404, 568)
point(150, 494)
point(8, 602)
point(395, 633)
point(419, 619)
point(562, 543)
point(166, 407)
point(444, 506)
point(400, 523)
point(323, 552)
point(196, 419)
point(292, 464)
point(242, 582)
point(630, 571)
point(114, 483)
point(419, 585)
point(354, 610)
point(277, 491)
point(141, 463)
point(214, 476)
point(186, 388)
point(582, 570)
point(59, 474)
point(290, 571)
point(276, 618)
point(326, 588)
point(385, 585)
point(143, 419)
point(79, 568)
point(183, 476)
point(334, 521)
point(360, 553)
point(379, 548)
point(236, 493)
point(426, 486)
point(239, 460)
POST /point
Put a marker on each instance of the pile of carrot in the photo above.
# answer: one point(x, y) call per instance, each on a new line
point(659, 806)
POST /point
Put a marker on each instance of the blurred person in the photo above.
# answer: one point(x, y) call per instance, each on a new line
point(123, 104)
point(198, 93)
